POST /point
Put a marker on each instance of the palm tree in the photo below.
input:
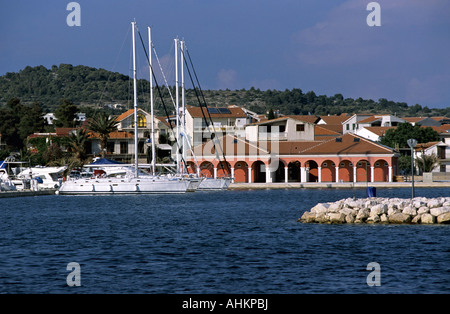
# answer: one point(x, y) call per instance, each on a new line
point(426, 163)
point(77, 143)
point(102, 124)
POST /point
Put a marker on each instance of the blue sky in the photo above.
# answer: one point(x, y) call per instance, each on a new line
point(320, 45)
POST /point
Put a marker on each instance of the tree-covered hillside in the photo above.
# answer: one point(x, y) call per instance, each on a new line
point(91, 87)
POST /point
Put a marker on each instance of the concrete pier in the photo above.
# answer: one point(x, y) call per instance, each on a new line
point(22, 193)
point(342, 185)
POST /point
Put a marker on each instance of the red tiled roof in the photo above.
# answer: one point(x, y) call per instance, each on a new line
point(335, 119)
point(328, 129)
point(347, 145)
point(126, 114)
point(369, 119)
point(414, 119)
point(379, 130)
point(64, 131)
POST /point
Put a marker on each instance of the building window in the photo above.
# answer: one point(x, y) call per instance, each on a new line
point(300, 127)
point(123, 147)
point(110, 147)
point(347, 127)
point(141, 120)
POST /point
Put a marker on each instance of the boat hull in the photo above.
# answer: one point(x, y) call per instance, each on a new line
point(214, 184)
point(124, 186)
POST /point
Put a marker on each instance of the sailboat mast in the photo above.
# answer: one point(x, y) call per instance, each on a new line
point(177, 114)
point(183, 101)
point(151, 101)
point(135, 101)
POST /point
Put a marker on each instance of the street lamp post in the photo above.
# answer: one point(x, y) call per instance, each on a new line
point(412, 143)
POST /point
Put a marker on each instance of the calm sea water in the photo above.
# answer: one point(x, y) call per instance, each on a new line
point(213, 242)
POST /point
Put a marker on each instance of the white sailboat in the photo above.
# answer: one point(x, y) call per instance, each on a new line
point(221, 183)
point(134, 183)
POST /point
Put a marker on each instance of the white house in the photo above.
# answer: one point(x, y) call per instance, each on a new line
point(351, 124)
point(226, 120)
point(286, 128)
point(50, 117)
point(373, 133)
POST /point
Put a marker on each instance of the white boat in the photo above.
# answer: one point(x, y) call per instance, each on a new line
point(44, 177)
point(125, 185)
point(5, 181)
point(135, 183)
point(215, 184)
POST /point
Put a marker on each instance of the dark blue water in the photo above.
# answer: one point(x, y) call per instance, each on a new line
point(219, 242)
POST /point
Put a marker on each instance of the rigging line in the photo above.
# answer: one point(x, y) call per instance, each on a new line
point(164, 77)
point(213, 135)
point(204, 100)
point(162, 100)
point(115, 64)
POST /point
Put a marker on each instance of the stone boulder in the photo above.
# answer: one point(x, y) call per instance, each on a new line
point(308, 217)
point(444, 218)
point(409, 210)
point(320, 208)
point(337, 218)
point(427, 219)
point(400, 218)
point(437, 211)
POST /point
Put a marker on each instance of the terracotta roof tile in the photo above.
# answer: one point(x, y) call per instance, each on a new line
point(335, 119)
point(348, 144)
point(379, 130)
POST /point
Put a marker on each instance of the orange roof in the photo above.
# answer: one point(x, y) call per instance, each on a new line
point(348, 144)
point(331, 129)
point(369, 119)
point(334, 119)
point(320, 130)
point(233, 146)
point(427, 145)
point(379, 130)
point(63, 131)
point(440, 129)
point(126, 114)
point(414, 119)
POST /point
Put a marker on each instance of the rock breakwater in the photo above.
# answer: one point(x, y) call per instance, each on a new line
point(419, 210)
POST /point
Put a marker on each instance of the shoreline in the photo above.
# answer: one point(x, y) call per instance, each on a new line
point(274, 186)
point(22, 193)
point(334, 185)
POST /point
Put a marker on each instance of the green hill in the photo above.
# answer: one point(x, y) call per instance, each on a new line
point(94, 88)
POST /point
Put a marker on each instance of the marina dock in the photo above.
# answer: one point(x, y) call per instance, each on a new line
point(22, 193)
point(334, 185)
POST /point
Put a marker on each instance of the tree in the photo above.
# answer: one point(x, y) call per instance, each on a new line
point(65, 114)
point(426, 163)
point(18, 121)
point(9, 120)
point(405, 131)
point(31, 120)
point(77, 144)
point(102, 124)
